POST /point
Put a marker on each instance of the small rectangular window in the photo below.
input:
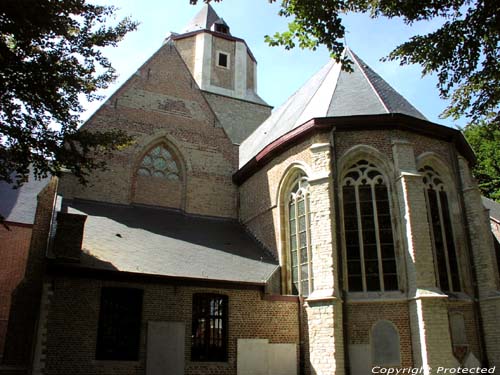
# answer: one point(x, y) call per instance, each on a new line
point(209, 328)
point(119, 327)
point(223, 60)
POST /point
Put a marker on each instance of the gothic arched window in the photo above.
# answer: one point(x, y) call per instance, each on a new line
point(441, 230)
point(369, 243)
point(159, 162)
point(298, 239)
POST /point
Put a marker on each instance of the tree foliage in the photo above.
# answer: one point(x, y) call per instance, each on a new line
point(485, 140)
point(464, 52)
point(51, 56)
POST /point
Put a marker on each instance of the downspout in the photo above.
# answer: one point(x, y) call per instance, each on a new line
point(302, 364)
point(343, 294)
point(465, 222)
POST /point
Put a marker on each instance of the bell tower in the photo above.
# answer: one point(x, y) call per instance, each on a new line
point(219, 62)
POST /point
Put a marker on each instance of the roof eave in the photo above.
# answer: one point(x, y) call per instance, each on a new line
point(61, 268)
point(390, 121)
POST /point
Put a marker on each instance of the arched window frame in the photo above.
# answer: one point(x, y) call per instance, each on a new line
point(295, 188)
point(437, 179)
point(160, 152)
point(350, 163)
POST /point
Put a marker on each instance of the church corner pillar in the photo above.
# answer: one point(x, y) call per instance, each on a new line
point(431, 340)
point(324, 306)
point(484, 260)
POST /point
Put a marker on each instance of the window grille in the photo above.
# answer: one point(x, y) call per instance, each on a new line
point(209, 328)
point(119, 327)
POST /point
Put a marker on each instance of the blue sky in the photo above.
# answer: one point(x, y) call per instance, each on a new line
point(280, 72)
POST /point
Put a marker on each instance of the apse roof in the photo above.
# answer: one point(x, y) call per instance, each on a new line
point(331, 92)
point(204, 20)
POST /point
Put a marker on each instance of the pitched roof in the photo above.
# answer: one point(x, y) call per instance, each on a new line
point(331, 92)
point(157, 241)
point(19, 205)
point(204, 20)
point(493, 206)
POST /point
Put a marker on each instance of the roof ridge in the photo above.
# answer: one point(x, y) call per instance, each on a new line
point(356, 60)
point(313, 96)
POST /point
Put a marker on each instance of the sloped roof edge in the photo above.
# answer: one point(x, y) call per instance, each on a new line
point(393, 121)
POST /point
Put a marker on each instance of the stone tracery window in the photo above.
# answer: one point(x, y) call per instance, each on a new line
point(368, 234)
point(159, 162)
point(441, 230)
point(299, 245)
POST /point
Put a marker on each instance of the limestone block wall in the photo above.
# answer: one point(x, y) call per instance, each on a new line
point(161, 104)
point(223, 76)
point(74, 312)
point(259, 206)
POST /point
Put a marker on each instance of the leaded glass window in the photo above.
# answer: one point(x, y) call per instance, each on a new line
point(368, 236)
point(438, 213)
point(159, 163)
point(299, 238)
point(209, 327)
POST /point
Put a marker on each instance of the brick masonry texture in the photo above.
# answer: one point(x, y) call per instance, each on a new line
point(361, 317)
point(162, 103)
point(15, 246)
point(74, 313)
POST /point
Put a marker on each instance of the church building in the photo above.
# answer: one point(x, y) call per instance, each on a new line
point(340, 233)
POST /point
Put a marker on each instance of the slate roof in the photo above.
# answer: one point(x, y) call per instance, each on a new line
point(329, 93)
point(19, 205)
point(493, 206)
point(204, 20)
point(158, 241)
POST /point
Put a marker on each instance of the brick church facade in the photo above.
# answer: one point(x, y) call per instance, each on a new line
point(340, 233)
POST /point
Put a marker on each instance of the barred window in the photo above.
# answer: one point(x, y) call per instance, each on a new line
point(299, 242)
point(159, 162)
point(209, 328)
point(441, 231)
point(368, 235)
point(119, 327)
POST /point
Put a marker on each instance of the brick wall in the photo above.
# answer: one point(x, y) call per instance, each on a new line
point(15, 242)
point(26, 297)
point(362, 316)
point(74, 312)
point(162, 103)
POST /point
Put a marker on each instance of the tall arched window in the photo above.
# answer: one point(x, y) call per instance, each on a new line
point(299, 243)
point(369, 243)
point(441, 230)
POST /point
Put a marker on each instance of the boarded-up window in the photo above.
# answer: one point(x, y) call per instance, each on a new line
point(119, 324)
point(385, 344)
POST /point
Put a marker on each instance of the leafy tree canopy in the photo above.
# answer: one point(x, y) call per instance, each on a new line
point(51, 56)
point(485, 140)
point(464, 52)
